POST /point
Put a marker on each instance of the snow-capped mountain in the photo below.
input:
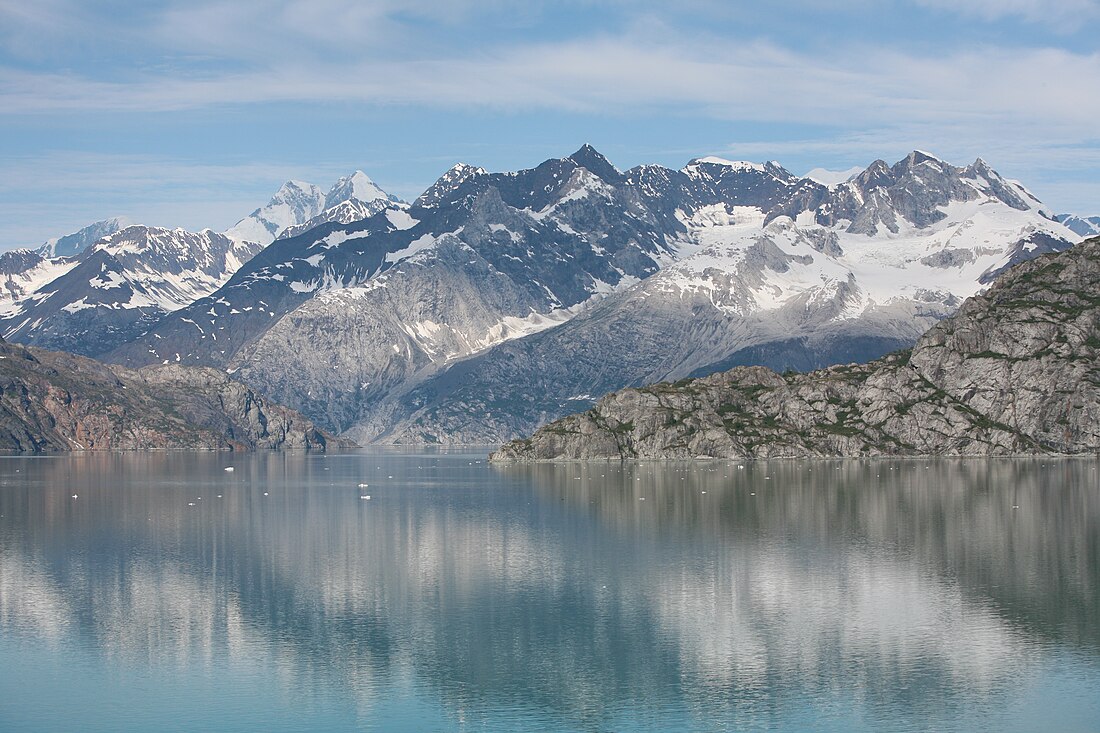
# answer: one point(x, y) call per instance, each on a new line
point(25, 270)
point(344, 212)
point(299, 206)
point(73, 244)
point(478, 252)
point(120, 285)
point(1085, 226)
point(22, 271)
point(51, 296)
point(498, 300)
point(294, 203)
point(781, 295)
point(356, 187)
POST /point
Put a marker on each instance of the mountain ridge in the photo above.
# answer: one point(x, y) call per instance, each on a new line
point(55, 401)
point(496, 301)
point(1015, 371)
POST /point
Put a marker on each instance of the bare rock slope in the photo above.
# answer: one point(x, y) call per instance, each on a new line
point(1014, 371)
point(54, 401)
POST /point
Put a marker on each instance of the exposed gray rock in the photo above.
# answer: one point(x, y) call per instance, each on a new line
point(949, 257)
point(1016, 370)
point(53, 401)
point(914, 189)
point(1085, 226)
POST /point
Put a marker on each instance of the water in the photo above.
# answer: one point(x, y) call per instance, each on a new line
point(825, 595)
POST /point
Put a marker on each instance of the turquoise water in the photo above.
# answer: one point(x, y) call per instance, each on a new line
point(781, 596)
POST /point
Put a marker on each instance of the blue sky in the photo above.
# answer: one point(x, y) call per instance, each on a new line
point(192, 113)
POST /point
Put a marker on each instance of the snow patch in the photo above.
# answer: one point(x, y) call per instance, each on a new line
point(418, 245)
point(401, 219)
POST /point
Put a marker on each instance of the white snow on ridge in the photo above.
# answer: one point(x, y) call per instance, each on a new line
point(15, 287)
point(424, 242)
point(827, 177)
point(295, 202)
point(975, 237)
point(738, 165)
point(358, 186)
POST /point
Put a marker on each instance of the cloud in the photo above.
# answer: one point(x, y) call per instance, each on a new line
point(1023, 105)
point(1068, 13)
point(860, 87)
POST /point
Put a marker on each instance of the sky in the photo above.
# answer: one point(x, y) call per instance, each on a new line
point(192, 113)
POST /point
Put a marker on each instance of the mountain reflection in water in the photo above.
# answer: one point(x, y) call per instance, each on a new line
point(849, 595)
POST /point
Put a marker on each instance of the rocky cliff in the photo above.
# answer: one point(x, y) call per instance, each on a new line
point(54, 401)
point(1014, 371)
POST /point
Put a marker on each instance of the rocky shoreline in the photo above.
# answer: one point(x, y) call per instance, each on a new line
point(1014, 372)
point(55, 401)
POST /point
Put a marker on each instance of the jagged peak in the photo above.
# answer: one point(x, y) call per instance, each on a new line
point(876, 174)
point(595, 162)
point(293, 186)
point(358, 185)
point(981, 168)
point(918, 158)
point(73, 244)
point(465, 170)
point(456, 176)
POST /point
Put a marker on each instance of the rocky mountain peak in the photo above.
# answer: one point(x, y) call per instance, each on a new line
point(73, 244)
point(876, 175)
point(773, 168)
point(920, 157)
point(296, 202)
point(358, 186)
point(447, 184)
point(594, 161)
point(1084, 226)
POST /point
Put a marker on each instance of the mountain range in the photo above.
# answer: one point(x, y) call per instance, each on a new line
point(1015, 371)
point(495, 302)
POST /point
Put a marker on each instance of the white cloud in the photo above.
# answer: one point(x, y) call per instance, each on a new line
point(1025, 107)
point(1069, 13)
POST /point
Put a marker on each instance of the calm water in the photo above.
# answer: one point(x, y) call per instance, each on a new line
point(845, 596)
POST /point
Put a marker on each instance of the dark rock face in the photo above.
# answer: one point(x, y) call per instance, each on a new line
point(1085, 226)
point(914, 189)
point(53, 401)
point(1015, 371)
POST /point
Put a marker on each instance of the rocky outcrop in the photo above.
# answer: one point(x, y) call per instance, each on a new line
point(54, 401)
point(1014, 371)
